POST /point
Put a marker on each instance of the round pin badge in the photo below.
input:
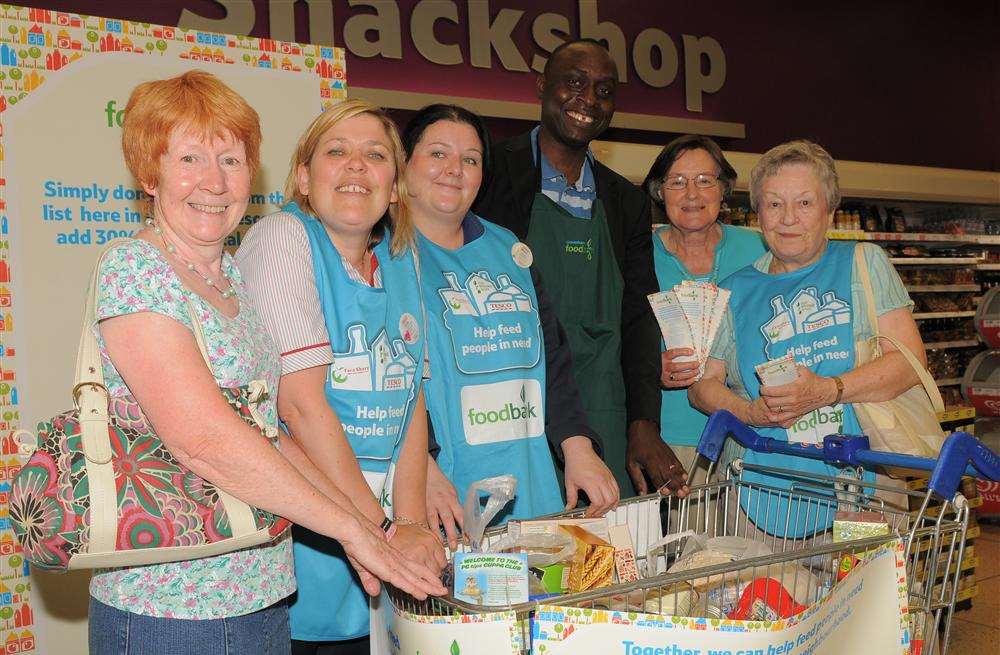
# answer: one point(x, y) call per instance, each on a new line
point(522, 254)
point(408, 328)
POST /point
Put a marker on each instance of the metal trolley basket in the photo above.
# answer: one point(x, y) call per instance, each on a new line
point(807, 564)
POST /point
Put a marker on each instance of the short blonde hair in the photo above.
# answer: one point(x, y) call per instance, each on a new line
point(403, 231)
point(797, 152)
point(197, 101)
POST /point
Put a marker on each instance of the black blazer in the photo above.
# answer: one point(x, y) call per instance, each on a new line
point(507, 201)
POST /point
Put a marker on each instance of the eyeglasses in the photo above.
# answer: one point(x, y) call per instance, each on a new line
point(702, 181)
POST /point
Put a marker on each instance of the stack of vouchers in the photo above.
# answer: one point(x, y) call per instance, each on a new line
point(776, 372)
point(689, 316)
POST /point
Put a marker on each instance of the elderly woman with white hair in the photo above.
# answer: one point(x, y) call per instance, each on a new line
point(805, 298)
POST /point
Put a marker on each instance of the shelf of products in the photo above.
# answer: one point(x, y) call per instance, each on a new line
point(960, 414)
point(941, 345)
point(920, 316)
point(916, 237)
point(935, 261)
point(941, 288)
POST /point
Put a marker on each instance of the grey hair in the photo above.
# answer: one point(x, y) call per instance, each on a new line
point(797, 152)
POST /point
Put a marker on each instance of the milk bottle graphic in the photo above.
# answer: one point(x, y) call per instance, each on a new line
point(480, 288)
point(805, 303)
point(455, 298)
point(400, 370)
point(522, 303)
point(779, 327)
point(831, 312)
point(353, 370)
point(382, 355)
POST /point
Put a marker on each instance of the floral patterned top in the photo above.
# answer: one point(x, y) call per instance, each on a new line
point(135, 277)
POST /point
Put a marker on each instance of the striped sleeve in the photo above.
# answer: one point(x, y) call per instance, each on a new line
point(277, 268)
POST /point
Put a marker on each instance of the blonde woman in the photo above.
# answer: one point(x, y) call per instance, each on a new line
point(333, 277)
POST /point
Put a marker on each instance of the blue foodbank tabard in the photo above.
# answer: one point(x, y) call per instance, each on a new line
point(486, 392)
point(377, 343)
point(805, 313)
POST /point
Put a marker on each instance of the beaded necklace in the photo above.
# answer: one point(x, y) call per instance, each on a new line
point(209, 282)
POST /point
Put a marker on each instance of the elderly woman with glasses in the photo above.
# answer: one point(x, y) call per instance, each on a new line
point(805, 298)
point(689, 181)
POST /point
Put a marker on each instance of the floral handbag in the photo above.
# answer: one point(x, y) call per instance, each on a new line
point(99, 488)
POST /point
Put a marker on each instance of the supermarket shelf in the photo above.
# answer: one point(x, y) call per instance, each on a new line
point(906, 237)
point(937, 261)
point(956, 414)
point(941, 288)
point(942, 345)
point(921, 315)
point(988, 267)
point(948, 382)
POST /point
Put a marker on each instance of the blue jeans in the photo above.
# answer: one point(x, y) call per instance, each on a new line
point(117, 632)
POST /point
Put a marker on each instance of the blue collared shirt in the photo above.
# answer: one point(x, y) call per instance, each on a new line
point(577, 198)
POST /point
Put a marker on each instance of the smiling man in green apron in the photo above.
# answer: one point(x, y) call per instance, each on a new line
point(588, 229)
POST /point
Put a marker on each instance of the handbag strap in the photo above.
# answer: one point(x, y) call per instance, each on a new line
point(90, 395)
point(89, 392)
point(937, 402)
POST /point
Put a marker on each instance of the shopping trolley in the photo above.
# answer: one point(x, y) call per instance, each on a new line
point(807, 564)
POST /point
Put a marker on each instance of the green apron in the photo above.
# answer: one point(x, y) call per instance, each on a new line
point(579, 271)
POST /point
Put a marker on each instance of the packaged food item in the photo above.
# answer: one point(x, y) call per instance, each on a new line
point(598, 526)
point(871, 220)
point(765, 599)
point(592, 565)
point(722, 589)
point(625, 566)
point(491, 579)
point(848, 526)
point(896, 221)
point(554, 578)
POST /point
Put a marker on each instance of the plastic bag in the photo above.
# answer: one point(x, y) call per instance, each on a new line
point(701, 550)
point(499, 491)
point(542, 549)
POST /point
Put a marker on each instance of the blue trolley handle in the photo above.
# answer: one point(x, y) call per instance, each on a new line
point(959, 450)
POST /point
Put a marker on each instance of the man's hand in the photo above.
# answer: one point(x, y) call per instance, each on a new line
point(587, 473)
point(648, 453)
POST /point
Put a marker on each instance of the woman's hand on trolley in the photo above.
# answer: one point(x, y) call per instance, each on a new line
point(420, 544)
point(587, 473)
point(443, 509)
point(376, 559)
point(678, 374)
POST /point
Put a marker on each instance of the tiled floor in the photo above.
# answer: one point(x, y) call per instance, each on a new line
point(977, 631)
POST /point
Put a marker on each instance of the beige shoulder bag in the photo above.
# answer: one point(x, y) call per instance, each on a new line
point(908, 423)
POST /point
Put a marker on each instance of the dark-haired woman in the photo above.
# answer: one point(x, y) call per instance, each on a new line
point(500, 369)
point(689, 181)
